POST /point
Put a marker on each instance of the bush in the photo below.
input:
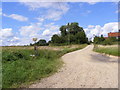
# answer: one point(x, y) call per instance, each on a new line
point(14, 55)
point(107, 42)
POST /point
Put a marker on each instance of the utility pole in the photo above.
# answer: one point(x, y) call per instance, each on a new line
point(35, 46)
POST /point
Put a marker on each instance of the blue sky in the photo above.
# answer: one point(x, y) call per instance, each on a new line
point(21, 21)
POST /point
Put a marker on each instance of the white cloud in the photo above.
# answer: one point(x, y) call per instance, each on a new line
point(30, 31)
point(96, 1)
point(6, 33)
point(91, 2)
point(46, 32)
point(14, 39)
point(33, 30)
point(92, 30)
point(27, 33)
point(54, 29)
point(69, 1)
point(50, 29)
point(40, 19)
point(17, 17)
point(55, 15)
point(36, 5)
point(91, 26)
point(54, 10)
point(11, 41)
point(47, 5)
point(14, 44)
point(110, 27)
point(1, 42)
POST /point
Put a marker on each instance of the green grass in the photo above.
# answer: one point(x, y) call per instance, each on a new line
point(19, 69)
point(107, 50)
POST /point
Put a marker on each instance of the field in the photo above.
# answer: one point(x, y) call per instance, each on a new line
point(109, 49)
point(20, 67)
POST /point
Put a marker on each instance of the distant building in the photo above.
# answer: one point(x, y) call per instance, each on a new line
point(114, 34)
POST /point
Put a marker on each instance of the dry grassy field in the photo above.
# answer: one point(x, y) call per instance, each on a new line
point(57, 48)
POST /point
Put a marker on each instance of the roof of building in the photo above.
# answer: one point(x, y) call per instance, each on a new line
point(114, 34)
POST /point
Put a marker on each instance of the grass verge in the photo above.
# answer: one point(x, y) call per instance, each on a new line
point(107, 50)
point(20, 69)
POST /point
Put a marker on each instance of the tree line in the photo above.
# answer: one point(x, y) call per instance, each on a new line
point(107, 41)
point(71, 33)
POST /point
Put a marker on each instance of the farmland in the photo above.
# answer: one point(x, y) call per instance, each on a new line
point(21, 67)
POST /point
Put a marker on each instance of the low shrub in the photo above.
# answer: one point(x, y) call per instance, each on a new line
point(107, 42)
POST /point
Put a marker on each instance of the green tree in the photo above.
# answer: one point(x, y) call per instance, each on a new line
point(42, 42)
point(97, 40)
point(63, 30)
point(71, 39)
point(113, 39)
point(70, 33)
point(55, 39)
point(31, 44)
point(102, 38)
point(73, 28)
point(107, 42)
point(81, 38)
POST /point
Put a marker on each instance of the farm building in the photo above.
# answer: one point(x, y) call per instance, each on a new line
point(114, 34)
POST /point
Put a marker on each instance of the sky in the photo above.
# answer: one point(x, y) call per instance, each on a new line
point(22, 21)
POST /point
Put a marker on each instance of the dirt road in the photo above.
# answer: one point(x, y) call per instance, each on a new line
point(84, 69)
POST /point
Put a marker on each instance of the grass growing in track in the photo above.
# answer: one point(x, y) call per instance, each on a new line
point(108, 50)
point(19, 69)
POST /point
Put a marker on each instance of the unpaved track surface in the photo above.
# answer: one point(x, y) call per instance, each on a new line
point(83, 69)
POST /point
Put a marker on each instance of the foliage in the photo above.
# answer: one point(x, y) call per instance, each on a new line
point(81, 38)
point(41, 42)
point(107, 42)
point(71, 33)
point(63, 30)
point(98, 40)
point(103, 41)
point(56, 39)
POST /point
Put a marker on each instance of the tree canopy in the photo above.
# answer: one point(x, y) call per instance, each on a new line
point(71, 33)
point(41, 42)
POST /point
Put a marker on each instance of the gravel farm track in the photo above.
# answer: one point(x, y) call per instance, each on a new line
point(83, 69)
